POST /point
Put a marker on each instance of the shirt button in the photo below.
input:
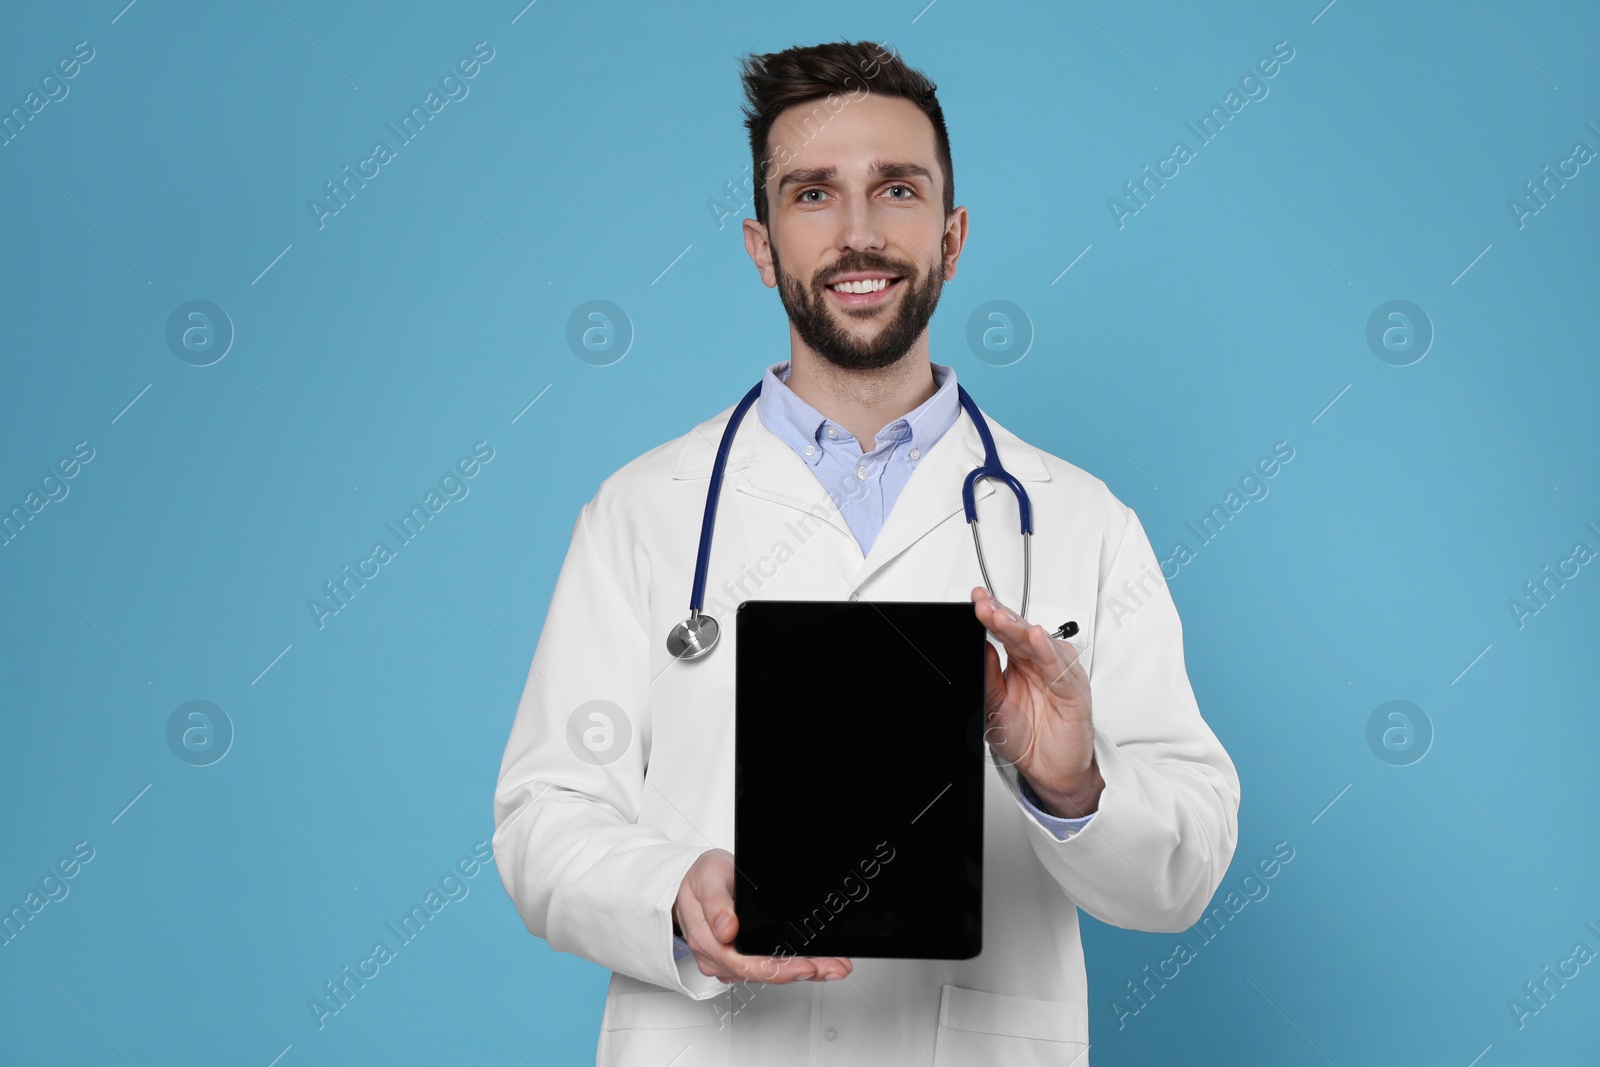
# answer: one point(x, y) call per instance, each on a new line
point(811, 450)
point(861, 472)
point(915, 453)
point(831, 432)
point(831, 1034)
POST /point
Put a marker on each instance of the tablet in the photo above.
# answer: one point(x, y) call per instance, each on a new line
point(858, 779)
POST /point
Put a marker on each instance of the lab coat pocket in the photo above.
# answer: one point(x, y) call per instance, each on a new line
point(989, 1028)
point(663, 1027)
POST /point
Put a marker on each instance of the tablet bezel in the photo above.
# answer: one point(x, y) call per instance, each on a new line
point(956, 935)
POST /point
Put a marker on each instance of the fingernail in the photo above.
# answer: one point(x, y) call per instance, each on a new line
point(1010, 616)
point(832, 976)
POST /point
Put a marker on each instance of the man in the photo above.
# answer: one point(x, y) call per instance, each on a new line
point(614, 807)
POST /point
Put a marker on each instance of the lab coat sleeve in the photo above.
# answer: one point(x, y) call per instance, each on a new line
point(1167, 823)
point(582, 871)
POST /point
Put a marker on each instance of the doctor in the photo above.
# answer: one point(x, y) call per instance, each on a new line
point(1106, 790)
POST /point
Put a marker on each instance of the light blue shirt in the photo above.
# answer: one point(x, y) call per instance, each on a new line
point(865, 485)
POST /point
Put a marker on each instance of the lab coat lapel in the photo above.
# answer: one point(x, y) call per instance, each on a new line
point(932, 495)
point(763, 466)
point(768, 469)
point(760, 465)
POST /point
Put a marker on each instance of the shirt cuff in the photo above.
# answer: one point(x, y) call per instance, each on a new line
point(1061, 828)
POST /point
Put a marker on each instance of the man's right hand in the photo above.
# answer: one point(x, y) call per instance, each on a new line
point(704, 911)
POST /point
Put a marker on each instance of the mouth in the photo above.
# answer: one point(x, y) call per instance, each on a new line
point(866, 292)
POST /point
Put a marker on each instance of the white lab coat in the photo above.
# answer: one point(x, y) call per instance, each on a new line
point(593, 854)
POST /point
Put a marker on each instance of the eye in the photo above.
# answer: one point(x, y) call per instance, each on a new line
point(801, 196)
point(907, 188)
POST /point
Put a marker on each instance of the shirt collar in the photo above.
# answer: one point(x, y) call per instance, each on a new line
point(799, 425)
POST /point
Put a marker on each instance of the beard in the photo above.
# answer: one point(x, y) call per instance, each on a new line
point(819, 325)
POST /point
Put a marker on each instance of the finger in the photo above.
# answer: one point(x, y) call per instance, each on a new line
point(717, 905)
point(991, 599)
point(824, 968)
point(731, 965)
point(773, 970)
point(1011, 631)
point(718, 957)
point(1042, 660)
point(728, 965)
point(696, 931)
point(832, 967)
point(994, 615)
point(981, 595)
point(716, 925)
point(713, 956)
point(1032, 648)
point(1067, 678)
point(1001, 620)
point(1039, 651)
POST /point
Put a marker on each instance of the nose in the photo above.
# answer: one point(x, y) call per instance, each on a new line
point(862, 222)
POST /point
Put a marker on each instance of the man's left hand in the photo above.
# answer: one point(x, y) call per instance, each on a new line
point(1038, 712)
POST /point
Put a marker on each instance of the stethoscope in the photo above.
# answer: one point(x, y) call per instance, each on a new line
point(697, 635)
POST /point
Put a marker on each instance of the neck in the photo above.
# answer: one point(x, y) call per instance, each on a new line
point(865, 401)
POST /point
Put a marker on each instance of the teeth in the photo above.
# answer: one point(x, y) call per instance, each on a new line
point(872, 285)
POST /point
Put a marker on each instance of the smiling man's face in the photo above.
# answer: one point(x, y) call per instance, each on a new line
point(858, 196)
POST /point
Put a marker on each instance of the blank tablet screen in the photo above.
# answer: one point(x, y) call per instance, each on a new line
point(859, 773)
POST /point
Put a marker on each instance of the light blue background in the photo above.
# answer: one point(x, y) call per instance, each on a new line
point(425, 316)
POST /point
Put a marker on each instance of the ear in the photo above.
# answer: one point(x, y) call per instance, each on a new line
point(955, 239)
point(759, 245)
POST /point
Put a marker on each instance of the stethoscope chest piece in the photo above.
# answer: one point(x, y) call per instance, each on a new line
point(693, 637)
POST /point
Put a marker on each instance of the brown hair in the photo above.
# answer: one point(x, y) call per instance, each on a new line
point(834, 72)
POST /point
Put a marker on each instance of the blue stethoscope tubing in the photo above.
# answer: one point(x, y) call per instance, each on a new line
point(697, 634)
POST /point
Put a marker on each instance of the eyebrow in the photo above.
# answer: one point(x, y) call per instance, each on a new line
point(878, 170)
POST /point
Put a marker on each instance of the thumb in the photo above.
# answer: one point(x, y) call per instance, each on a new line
point(718, 899)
